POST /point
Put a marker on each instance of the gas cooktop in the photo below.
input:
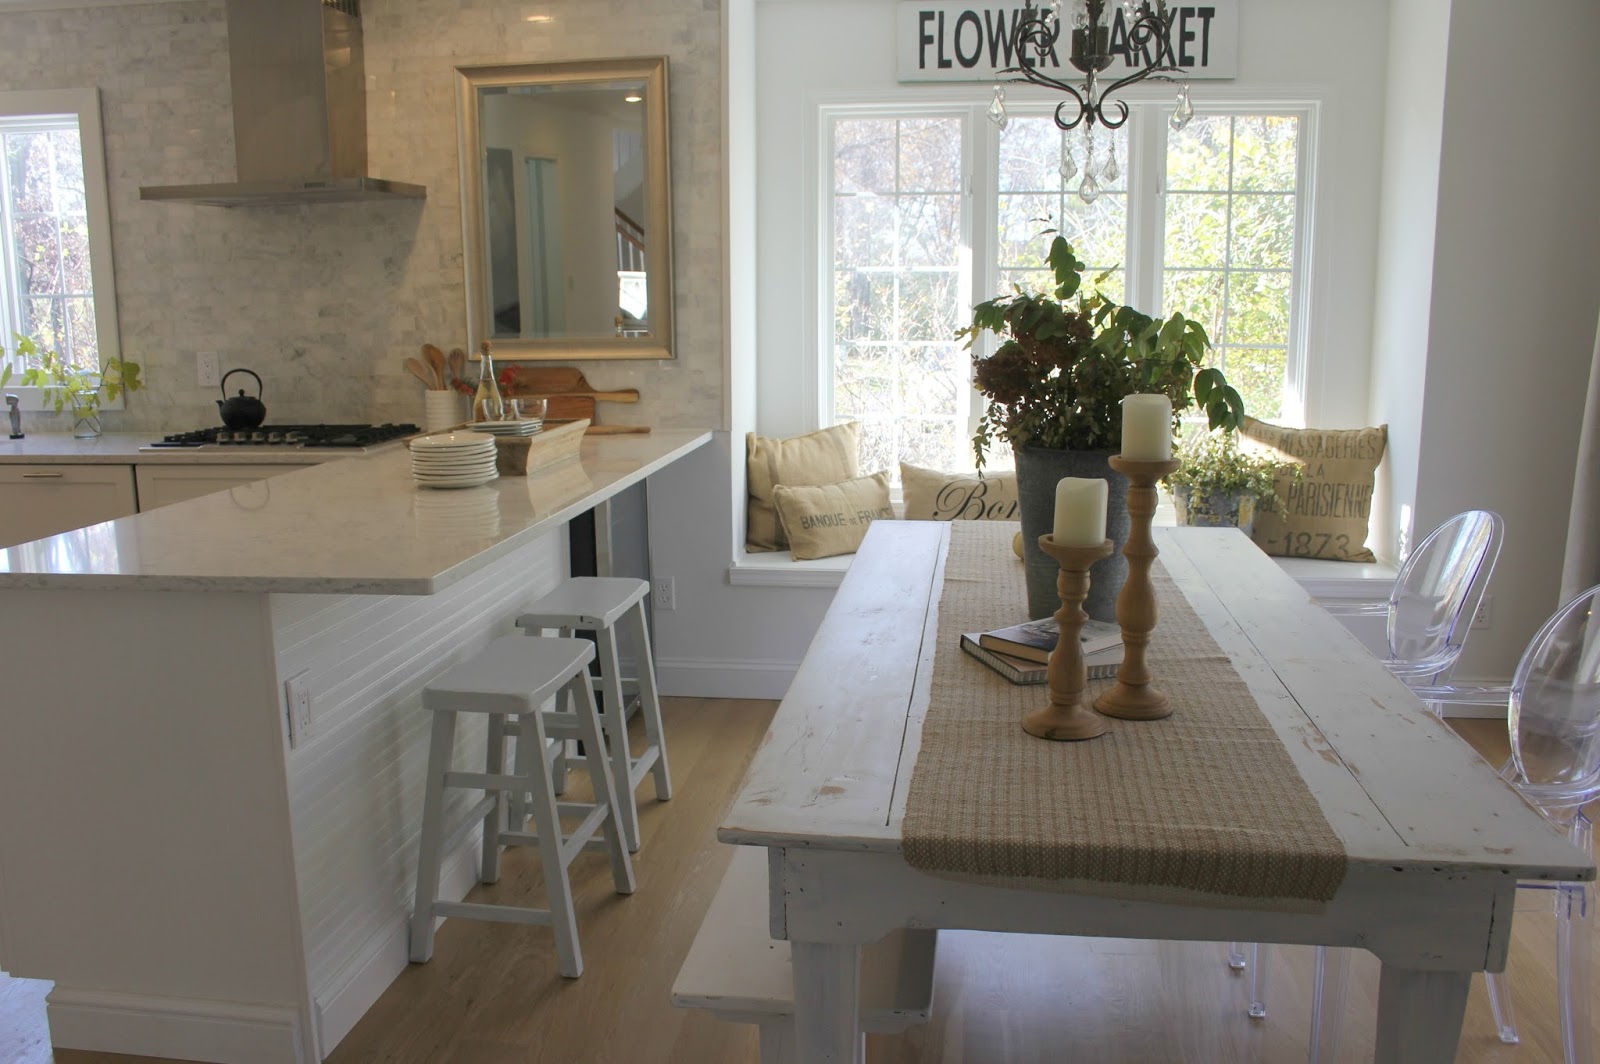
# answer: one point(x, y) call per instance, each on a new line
point(345, 437)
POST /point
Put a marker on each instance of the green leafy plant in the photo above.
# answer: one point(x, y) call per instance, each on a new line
point(1067, 357)
point(1212, 464)
point(66, 386)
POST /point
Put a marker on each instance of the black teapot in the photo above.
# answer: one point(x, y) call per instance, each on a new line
point(241, 411)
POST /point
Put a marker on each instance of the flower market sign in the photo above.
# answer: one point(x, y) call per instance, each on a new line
point(954, 41)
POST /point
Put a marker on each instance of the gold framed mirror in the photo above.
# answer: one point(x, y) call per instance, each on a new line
point(566, 208)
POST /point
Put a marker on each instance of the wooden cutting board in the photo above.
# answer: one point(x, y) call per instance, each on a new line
point(562, 382)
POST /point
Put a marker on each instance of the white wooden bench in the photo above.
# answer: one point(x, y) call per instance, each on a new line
point(740, 974)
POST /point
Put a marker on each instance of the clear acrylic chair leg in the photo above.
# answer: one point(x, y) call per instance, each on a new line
point(1505, 1017)
point(1575, 955)
point(1236, 958)
point(1257, 960)
point(1330, 986)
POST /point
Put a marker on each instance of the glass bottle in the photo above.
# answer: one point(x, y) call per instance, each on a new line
point(486, 402)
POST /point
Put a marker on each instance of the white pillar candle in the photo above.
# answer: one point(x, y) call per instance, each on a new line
point(1147, 428)
point(1080, 512)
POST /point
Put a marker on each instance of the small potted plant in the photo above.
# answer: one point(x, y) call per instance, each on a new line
point(1064, 360)
point(1218, 485)
point(67, 387)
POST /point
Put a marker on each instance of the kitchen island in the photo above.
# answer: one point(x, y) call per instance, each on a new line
point(213, 745)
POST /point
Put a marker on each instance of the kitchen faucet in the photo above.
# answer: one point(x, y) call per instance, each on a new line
point(16, 417)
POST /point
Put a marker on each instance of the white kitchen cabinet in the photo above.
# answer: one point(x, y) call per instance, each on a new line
point(41, 500)
point(160, 485)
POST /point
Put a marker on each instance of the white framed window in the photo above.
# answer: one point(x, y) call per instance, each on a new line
point(1213, 220)
point(56, 278)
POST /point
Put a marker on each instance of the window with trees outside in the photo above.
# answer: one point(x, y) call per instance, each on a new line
point(931, 213)
point(55, 259)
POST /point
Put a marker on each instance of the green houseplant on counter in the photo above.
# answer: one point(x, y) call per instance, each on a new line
point(1064, 360)
point(67, 387)
point(1218, 485)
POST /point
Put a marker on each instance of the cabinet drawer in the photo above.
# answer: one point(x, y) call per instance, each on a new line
point(43, 499)
point(162, 485)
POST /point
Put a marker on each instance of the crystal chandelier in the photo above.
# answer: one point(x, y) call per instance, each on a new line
point(1148, 33)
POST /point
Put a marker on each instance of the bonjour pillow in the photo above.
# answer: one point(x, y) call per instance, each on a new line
point(934, 496)
point(828, 519)
point(1323, 514)
point(826, 456)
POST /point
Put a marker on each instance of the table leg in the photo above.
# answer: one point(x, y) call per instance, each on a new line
point(1419, 1015)
point(827, 994)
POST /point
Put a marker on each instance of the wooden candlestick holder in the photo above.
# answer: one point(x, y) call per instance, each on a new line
point(1065, 717)
point(1133, 698)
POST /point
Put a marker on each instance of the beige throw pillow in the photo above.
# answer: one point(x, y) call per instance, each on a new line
point(826, 456)
point(829, 519)
point(1325, 513)
point(934, 496)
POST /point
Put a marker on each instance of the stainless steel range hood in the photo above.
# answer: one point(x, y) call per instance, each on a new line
point(299, 110)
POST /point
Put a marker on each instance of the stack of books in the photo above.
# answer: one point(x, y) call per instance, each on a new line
point(1021, 652)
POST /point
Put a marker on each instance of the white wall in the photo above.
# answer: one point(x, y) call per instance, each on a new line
point(1414, 107)
point(1295, 48)
point(1516, 290)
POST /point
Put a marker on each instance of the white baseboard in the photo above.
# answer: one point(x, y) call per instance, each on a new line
point(711, 678)
point(182, 1028)
point(359, 985)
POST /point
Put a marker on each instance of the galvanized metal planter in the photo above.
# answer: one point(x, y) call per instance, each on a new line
point(1214, 510)
point(1038, 470)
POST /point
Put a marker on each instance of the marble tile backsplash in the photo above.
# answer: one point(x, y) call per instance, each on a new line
point(324, 302)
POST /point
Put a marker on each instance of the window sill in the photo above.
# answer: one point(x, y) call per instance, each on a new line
point(32, 401)
point(1345, 581)
point(780, 569)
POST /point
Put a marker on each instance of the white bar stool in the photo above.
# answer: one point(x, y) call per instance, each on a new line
point(513, 678)
point(597, 603)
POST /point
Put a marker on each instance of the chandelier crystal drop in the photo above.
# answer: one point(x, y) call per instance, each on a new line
point(997, 108)
point(1069, 167)
point(1089, 190)
point(1183, 111)
point(1111, 171)
point(1143, 27)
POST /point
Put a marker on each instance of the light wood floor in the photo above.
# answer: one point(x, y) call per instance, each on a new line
point(491, 995)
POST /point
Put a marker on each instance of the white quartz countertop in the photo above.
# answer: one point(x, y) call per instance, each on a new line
point(123, 448)
point(360, 526)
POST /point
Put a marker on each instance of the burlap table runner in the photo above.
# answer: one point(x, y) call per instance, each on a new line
point(1199, 808)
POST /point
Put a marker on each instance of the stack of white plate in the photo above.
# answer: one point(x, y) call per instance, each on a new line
point(525, 427)
point(453, 459)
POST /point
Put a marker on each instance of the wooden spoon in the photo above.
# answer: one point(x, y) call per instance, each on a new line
point(435, 359)
point(458, 364)
point(421, 372)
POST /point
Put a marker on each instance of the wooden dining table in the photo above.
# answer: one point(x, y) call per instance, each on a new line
point(1435, 841)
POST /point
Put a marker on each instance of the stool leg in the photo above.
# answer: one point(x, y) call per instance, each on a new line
point(563, 919)
point(604, 789)
point(494, 763)
point(650, 704)
point(428, 857)
point(616, 725)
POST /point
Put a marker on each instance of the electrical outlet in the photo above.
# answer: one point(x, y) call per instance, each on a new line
point(664, 594)
point(1483, 616)
point(297, 695)
point(208, 369)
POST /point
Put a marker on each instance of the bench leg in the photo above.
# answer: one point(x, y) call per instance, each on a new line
point(563, 918)
point(604, 791)
point(494, 763)
point(827, 1002)
point(428, 856)
point(616, 724)
point(650, 704)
